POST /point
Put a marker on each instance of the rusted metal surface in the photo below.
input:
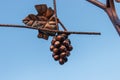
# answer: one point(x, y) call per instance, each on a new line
point(109, 8)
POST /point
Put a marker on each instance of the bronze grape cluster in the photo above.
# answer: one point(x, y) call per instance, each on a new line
point(61, 47)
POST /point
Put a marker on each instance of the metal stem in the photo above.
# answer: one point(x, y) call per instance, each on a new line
point(55, 13)
point(62, 25)
point(57, 31)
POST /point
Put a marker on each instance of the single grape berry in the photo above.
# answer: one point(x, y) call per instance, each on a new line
point(57, 44)
point(62, 55)
point(61, 61)
point(66, 43)
point(56, 57)
point(68, 40)
point(51, 47)
point(62, 48)
point(55, 50)
point(64, 35)
point(65, 59)
point(70, 48)
point(59, 38)
point(68, 53)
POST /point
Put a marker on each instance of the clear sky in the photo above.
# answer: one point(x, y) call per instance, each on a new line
point(25, 57)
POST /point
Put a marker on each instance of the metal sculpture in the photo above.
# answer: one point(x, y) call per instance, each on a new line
point(47, 23)
point(109, 8)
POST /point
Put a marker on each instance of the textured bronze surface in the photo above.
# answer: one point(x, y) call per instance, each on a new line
point(42, 20)
point(109, 8)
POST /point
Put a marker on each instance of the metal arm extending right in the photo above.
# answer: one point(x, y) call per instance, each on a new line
point(109, 8)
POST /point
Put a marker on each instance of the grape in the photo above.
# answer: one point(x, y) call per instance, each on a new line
point(59, 38)
point(68, 53)
point(65, 59)
point(55, 50)
point(61, 47)
point(56, 57)
point(68, 40)
point(70, 48)
point(65, 36)
point(66, 43)
point(61, 61)
point(51, 47)
point(62, 55)
point(57, 44)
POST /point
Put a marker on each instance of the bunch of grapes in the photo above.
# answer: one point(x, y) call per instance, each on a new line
point(61, 47)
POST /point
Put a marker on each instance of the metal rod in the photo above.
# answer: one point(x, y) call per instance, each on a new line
point(97, 3)
point(62, 25)
point(55, 14)
point(72, 32)
point(56, 19)
point(57, 31)
point(17, 26)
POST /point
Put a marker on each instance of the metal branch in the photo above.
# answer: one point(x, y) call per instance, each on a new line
point(17, 26)
point(109, 8)
point(56, 19)
point(62, 25)
point(97, 3)
point(47, 30)
point(71, 32)
point(55, 13)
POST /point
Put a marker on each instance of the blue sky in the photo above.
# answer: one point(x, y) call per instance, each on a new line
point(25, 57)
